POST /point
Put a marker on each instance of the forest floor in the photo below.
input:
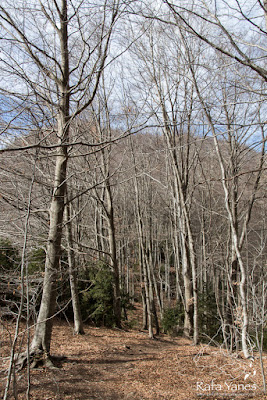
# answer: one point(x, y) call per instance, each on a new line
point(112, 364)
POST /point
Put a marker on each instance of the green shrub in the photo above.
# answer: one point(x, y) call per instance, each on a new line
point(9, 256)
point(171, 319)
point(36, 261)
point(97, 301)
point(253, 338)
point(209, 322)
point(132, 324)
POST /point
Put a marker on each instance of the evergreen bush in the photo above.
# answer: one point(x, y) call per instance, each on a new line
point(208, 321)
point(171, 319)
point(9, 256)
point(36, 261)
point(97, 301)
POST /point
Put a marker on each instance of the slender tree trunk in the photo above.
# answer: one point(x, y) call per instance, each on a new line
point(114, 258)
point(157, 292)
point(265, 11)
point(236, 244)
point(187, 278)
point(78, 323)
point(145, 313)
point(148, 299)
point(151, 290)
point(143, 257)
point(187, 243)
point(242, 284)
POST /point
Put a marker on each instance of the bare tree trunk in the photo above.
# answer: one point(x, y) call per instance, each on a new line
point(157, 292)
point(78, 323)
point(143, 291)
point(231, 207)
point(145, 313)
point(143, 257)
point(265, 11)
point(113, 254)
point(148, 298)
point(242, 285)
point(11, 369)
point(46, 83)
point(186, 270)
point(42, 336)
point(180, 189)
point(151, 290)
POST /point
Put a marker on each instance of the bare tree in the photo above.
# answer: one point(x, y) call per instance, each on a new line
point(104, 133)
point(203, 19)
point(231, 202)
point(63, 82)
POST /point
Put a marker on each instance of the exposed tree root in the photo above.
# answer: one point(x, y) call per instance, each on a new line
point(79, 332)
point(37, 359)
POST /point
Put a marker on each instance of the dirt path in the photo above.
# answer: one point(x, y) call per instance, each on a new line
point(109, 364)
